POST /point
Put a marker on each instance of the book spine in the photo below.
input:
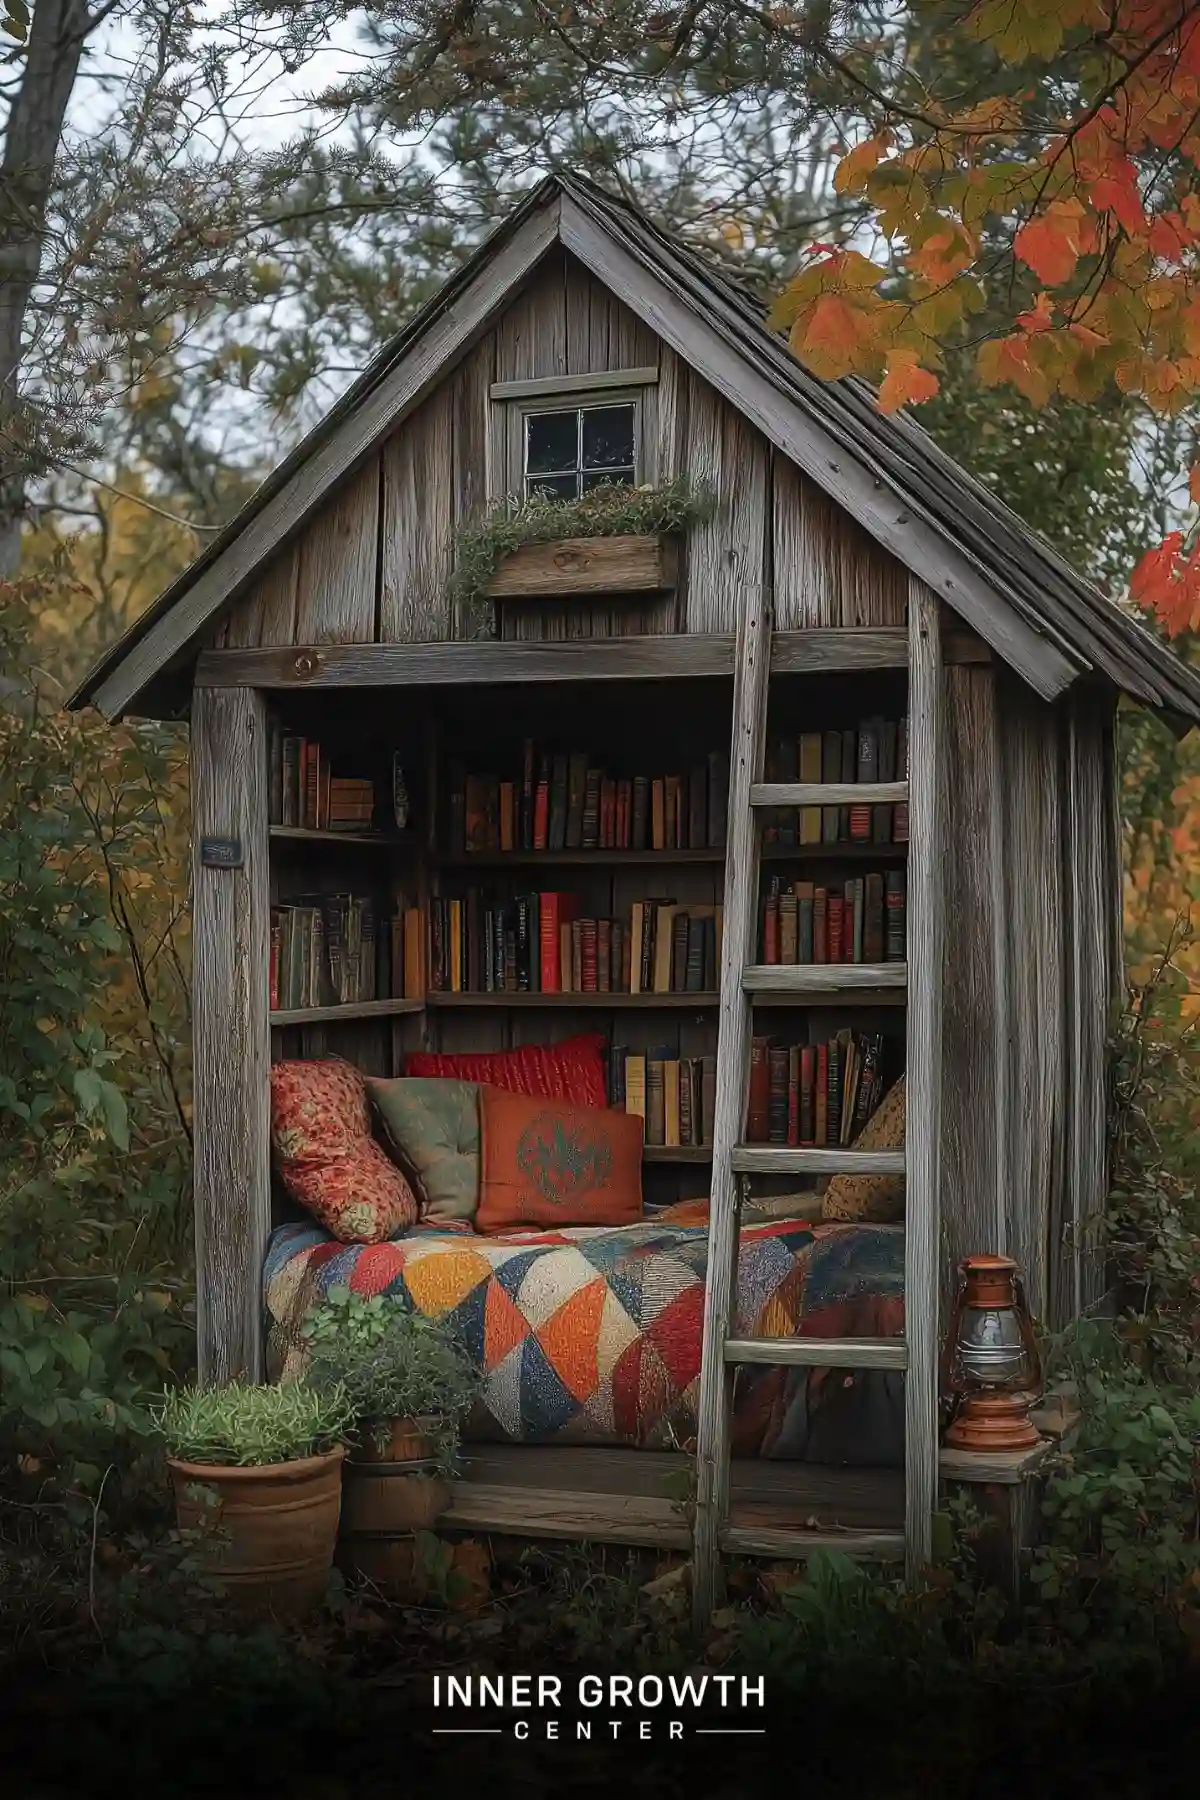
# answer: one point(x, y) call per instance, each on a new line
point(273, 968)
point(793, 1096)
point(804, 921)
point(635, 1086)
point(820, 926)
point(708, 1097)
point(808, 1122)
point(831, 770)
point(658, 815)
point(881, 816)
point(577, 776)
point(835, 918)
point(821, 1131)
point(550, 918)
point(655, 1100)
point(810, 770)
point(508, 815)
point(616, 1076)
point(777, 1099)
point(541, 816)
point(873, 921)
point(640, 814)
point(868, 770)
point(528, 793)
point(900, 810)
point(758, 1112)
point(896, 923)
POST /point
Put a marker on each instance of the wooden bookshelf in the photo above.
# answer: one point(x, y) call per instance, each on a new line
point(677, 1153)
point(661, 859)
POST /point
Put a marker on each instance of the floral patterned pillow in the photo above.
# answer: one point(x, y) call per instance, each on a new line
point(326, 1156)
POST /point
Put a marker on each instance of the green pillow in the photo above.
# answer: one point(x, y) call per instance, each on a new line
point(432, 1125)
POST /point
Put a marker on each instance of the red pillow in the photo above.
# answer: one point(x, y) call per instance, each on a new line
point(572, 1070)
point(548, 1164)
point(326, 1156)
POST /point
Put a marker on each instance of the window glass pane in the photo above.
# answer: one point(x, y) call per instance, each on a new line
point(551, 442)
point(606, 477)
point(608, 437)
point(558, 487)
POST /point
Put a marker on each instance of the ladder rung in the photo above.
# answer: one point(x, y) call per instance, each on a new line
point(819, 1353)
point(749, 1540)
point(829, 793)
point(821, 978)
point(780, 1159)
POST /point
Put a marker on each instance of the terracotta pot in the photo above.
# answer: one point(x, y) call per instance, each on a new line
point(278, 1526)
point(384, 1499)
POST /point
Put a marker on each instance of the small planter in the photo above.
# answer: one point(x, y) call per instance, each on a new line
point(390, 1493)
point(279, 1524)
point(590, 565)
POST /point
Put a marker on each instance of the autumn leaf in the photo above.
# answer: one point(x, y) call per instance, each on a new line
point(906, 382)
point(832, 337)
point(1052, 244)
point(1040, 317)
point(851, 174)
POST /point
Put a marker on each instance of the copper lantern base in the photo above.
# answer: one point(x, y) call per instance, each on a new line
point(993, 1422)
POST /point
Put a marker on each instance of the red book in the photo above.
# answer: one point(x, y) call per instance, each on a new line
point(793, 1127)
point(820, 926)
point(541, 815)
point(758, 1112)
point(273, 978)
point(554, 911)
point(835, 912)
point(771, 930)
point(822, 1107)
point(808, 1069)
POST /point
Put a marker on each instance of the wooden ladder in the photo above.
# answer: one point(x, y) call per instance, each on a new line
point(734, 1162)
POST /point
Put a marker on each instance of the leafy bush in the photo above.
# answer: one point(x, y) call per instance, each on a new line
point(248, 1426)
point(392, 1364)
point(94, 1229)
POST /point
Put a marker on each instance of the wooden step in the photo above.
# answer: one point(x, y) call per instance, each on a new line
point(819, 1353)
point(557, 1513)
point(793, 1544)
point(822, 978)
point(828, 793)
point(779, 1159)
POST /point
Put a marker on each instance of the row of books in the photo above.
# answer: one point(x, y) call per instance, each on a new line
point(863, 921)
point(540, 943)
point(562, 801)
point(814, 1094)
point(324, 952)
point(877, 750)
point(302, 789)
point(674, 1095)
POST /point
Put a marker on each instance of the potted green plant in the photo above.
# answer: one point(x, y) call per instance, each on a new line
point(410, 1385)
point(258, 1471)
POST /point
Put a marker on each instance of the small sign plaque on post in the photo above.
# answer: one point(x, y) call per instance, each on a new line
point(221, 853)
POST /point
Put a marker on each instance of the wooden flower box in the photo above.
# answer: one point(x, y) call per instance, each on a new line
point(594, 565)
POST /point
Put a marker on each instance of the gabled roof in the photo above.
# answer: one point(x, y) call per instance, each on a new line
point(1016, 591)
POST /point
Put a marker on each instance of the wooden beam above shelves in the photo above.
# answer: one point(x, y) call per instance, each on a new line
point(570, 1002)
point(337, 1015)
point(673, 656)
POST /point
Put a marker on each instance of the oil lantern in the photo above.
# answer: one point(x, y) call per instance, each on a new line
point(991, 1370)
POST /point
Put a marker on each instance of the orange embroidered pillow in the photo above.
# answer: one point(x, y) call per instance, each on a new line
point(547, 1163)
point(326, 1156)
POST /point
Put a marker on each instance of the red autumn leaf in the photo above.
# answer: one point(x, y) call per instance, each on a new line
point(1040, 317)
point(1118, 194)
point(1194, 483)
point(1170, 237)
point(1155, 571)
point(906, 382)
point(1050, 246)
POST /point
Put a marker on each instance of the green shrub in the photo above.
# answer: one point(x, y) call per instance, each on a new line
point(248, 1426)
point(392, 1363)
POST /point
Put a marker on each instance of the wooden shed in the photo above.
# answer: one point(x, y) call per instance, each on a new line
point(849, 572)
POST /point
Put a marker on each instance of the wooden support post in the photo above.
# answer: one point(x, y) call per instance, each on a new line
point(230, 1031)
point(923, 1062)
point(751, 672)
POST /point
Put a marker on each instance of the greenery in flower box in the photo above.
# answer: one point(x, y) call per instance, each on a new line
point(610, 510)
point(250, 1426)
point(392, 1363)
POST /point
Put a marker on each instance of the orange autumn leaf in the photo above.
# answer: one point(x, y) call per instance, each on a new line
point(906, 382)
point(1040, 316)
point(852, 171)
point(1052, 244)
point(1194, 483)
point(832, 338)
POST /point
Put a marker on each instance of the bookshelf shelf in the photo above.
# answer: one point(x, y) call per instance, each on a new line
point(601, 859)
point(677, 1153)
point(533, 859)
point(833, 999)
point(570, 1002)
point(375, 840)
point(334, 1015)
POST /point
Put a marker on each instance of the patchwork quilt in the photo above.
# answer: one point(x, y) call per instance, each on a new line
point(592, 1335)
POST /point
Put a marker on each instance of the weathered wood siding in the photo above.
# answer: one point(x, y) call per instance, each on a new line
point(375, 563)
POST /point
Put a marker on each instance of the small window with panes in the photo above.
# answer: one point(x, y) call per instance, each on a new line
point(569, 450)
